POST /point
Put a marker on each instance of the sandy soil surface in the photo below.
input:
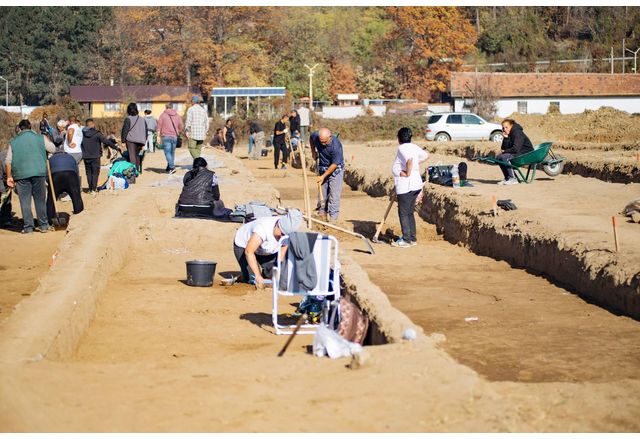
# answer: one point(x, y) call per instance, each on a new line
point(162, 356)
point(528, 329)
point(26, 258)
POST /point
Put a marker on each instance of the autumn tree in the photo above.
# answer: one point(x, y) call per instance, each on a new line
point(428, 43)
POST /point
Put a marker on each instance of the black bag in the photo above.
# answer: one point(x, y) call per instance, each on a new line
point(440, 174)
point(179, 141)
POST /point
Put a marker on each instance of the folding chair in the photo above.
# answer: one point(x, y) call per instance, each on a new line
point(325, 254)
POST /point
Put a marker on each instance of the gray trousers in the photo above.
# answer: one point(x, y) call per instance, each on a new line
point(331, 191)
point(36, 188)
point(258, 145)
point(304, 133)
point(506, 171)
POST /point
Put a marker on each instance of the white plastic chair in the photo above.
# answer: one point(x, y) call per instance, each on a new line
point(325, 254)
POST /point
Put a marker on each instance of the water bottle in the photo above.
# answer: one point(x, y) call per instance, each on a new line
point(455, 177)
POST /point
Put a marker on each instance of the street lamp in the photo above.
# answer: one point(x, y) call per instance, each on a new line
point(311, 69)
point(6, 91)
point(635, 59)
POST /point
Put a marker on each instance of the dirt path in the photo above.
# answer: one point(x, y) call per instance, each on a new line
point(528, 329)
point(161, 356)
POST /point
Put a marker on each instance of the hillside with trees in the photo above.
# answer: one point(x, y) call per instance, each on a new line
point(391, 52)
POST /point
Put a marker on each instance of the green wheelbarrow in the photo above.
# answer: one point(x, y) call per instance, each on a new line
point(541, 157)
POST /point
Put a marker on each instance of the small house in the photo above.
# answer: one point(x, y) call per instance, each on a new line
point(112, 101)
point(536, 93)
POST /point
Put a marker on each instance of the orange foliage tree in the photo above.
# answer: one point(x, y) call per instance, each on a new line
point(342, 79)
point(429, 42)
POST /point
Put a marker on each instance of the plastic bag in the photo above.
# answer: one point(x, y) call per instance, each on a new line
point(328, 342)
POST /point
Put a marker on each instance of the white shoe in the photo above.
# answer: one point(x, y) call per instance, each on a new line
point(511, 181)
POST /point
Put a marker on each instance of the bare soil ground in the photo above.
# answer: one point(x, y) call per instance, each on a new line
point(162, 356)
point(528, 329)
point(26, 258)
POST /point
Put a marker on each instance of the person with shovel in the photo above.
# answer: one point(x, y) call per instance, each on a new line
point(408, 182)
point(256, 245)
point(26, 169)
point(326, 148)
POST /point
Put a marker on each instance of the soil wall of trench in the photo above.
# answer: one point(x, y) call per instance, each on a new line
point(51, 323)
point(593, 274)
point(585, 167)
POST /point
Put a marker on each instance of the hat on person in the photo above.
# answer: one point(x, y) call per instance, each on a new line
point(290, 222)
point(196, 98)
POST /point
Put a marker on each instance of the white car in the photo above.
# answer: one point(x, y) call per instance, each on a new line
point(444, 127)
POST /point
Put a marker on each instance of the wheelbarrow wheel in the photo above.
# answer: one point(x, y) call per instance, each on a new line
point(554, 169)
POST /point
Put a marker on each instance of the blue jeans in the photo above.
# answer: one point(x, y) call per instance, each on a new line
point(169, 147)
point(251, 143)
point(36, 188)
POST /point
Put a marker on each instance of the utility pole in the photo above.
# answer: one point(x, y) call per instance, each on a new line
point(635, 59)
point(311, 69)
point(612, 60)
point(478, 19)
point(6, 91)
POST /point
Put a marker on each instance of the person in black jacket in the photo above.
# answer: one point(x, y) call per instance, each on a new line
point(92, 141)
point(200, 194)
point(515, 143)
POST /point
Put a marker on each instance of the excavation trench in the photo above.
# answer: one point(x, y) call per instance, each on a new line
point(113, 340)
point(506, 323)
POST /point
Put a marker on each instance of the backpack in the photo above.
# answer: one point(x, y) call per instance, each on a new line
point(245, 213)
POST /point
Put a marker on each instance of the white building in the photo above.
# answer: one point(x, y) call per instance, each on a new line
point(535, 93)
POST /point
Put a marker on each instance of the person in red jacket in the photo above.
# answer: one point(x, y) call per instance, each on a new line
point(169, 127)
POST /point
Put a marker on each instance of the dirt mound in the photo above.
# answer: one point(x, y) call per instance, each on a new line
point(603, 125)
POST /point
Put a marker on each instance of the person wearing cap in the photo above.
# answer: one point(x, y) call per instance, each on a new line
point(256, 245)
point(196, 127)
point(59, 133)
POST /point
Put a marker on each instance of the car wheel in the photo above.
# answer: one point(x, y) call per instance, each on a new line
point(496, 136)
point(554, 169)
point(442, 137)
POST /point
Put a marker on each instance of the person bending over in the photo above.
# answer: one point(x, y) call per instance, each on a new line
point(256, 245)
point(514, 144)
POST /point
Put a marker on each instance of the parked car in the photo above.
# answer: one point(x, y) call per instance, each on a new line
point(444, 127)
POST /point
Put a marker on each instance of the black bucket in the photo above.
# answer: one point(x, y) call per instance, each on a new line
point(200, 273)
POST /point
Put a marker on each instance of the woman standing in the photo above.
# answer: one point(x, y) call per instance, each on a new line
point(229, 136)
point(134, 135)
point(73, 139)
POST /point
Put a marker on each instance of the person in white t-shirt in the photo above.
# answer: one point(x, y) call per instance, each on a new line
point(408, 182)
point(73, 139)
point(256, 245)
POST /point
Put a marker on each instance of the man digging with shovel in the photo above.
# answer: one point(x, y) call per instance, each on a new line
point(328, 150)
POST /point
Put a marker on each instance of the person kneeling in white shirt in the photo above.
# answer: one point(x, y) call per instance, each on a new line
point(408, 182)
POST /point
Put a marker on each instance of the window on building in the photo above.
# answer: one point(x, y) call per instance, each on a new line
point(554, 107)
point(470, 119)
point(112, 106)
point(178, 106)
point(143, 106)
point(454, 118)
point(522, 107)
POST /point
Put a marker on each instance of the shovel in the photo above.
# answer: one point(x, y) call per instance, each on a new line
point(58, 221)
point(384, 219)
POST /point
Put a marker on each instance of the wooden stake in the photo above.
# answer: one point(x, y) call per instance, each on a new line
point(494, 205)
point(614, 222)
point(305, 185)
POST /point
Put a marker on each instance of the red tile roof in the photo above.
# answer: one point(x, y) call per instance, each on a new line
point(141, 93)
point(547, 84)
